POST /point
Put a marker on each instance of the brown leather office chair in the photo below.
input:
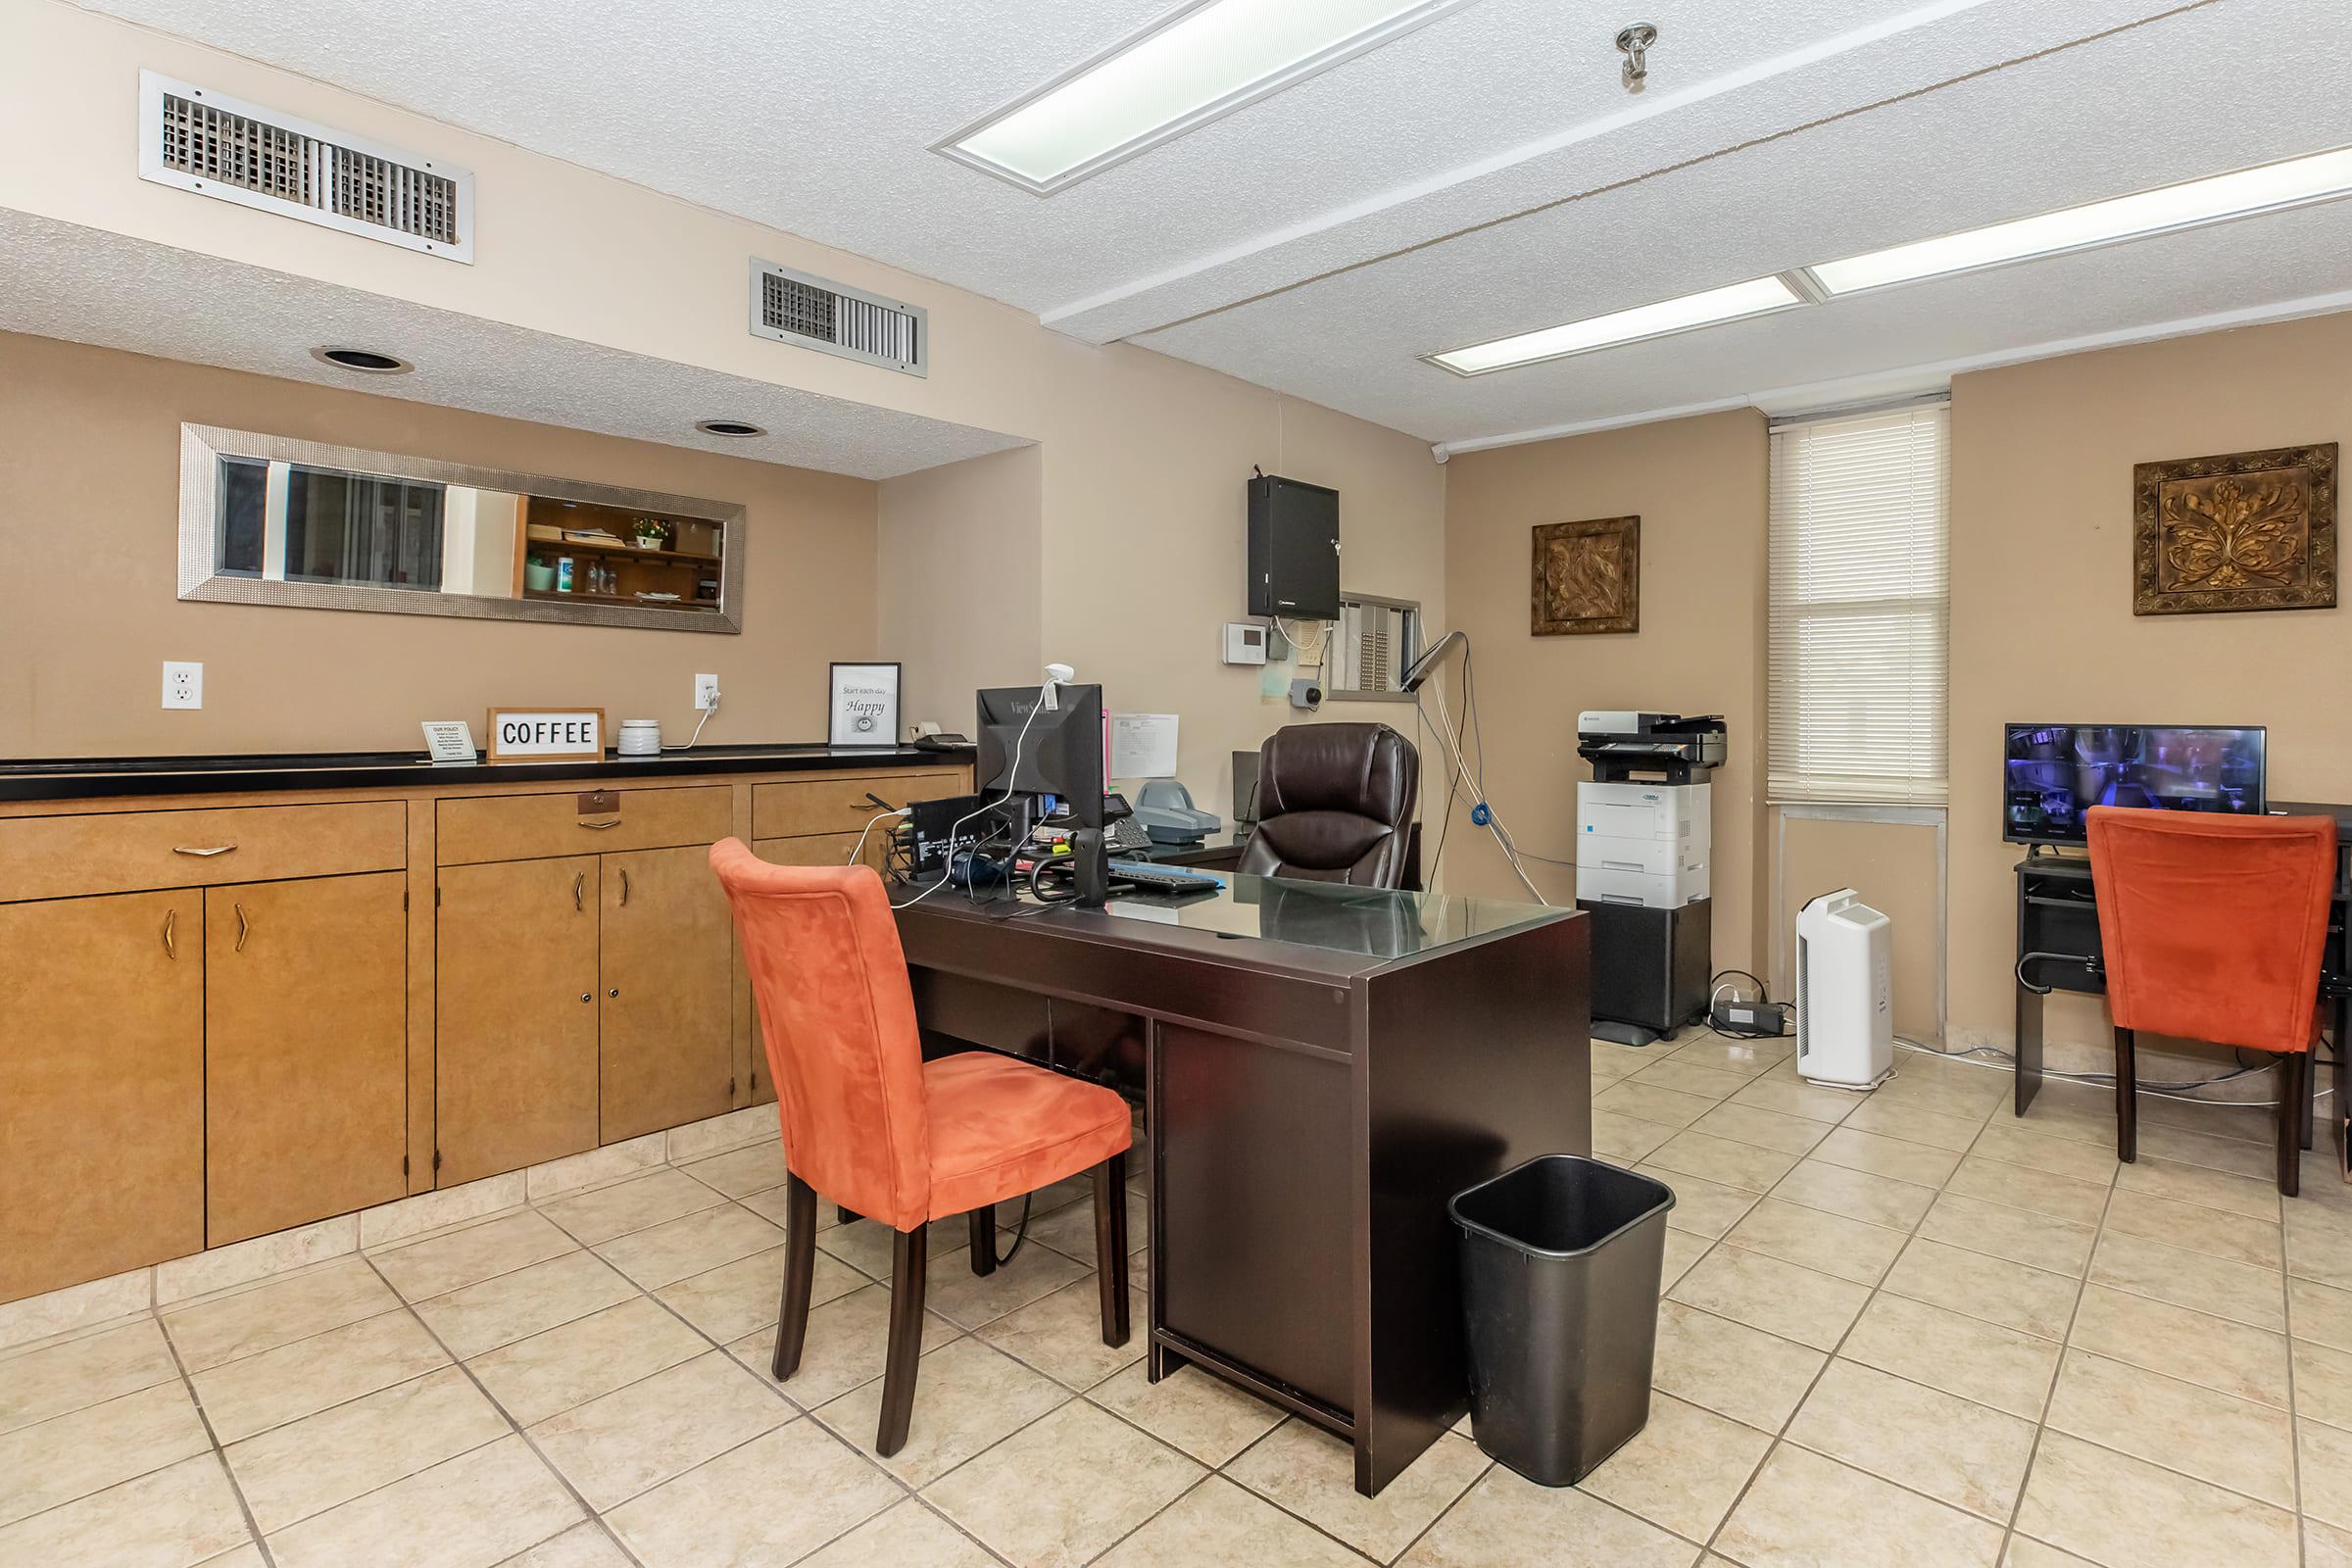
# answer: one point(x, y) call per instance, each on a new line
point(1335, 803)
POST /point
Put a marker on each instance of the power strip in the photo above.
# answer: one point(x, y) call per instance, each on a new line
point(1761, 1019)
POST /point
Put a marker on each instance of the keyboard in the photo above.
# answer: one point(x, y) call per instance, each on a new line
point(1125, 837)
point(1163, 878)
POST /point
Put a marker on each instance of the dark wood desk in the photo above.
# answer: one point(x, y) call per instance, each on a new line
point(2058, 944)
point(1321, 1068)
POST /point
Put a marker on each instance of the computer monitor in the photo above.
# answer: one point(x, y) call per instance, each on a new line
point(2053, 774)
point(1061, 753)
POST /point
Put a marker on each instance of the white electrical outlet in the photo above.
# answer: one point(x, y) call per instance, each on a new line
point(706, 693)
point(183, 684)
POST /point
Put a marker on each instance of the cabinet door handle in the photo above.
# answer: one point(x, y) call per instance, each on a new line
point(599, 827)
point(244, 926)
point(615, 992)
point(170, 919)
point(625, 885)
point(578, 882)
point(587, 995)
point(202, 854)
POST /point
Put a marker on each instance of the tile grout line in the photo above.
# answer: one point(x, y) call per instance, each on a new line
point(513, 1427)
point(1780, 1436)
point(228, 1472)
point(2050, 1398)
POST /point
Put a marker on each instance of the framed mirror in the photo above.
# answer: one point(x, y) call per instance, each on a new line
point(267, 520)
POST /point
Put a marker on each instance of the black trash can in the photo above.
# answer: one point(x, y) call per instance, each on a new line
point(1560, 1266)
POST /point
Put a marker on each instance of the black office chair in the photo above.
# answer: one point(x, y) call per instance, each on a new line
point(1335, 803)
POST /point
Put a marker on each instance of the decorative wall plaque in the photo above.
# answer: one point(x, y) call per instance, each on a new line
point(2252, 531)
point(1588, 577)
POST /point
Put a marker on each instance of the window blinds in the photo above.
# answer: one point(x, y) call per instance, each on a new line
point(1860, 609)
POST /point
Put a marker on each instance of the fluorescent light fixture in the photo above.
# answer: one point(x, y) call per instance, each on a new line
point(2268, 189)
point(1756, 297)
point(1203, 59)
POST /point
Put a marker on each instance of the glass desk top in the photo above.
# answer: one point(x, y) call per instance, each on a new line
point(1333, 918)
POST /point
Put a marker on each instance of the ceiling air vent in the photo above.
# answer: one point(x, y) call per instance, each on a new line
point(198, 140)
point(795, 308)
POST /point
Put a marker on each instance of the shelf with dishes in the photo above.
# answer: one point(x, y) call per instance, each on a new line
point(641, 601)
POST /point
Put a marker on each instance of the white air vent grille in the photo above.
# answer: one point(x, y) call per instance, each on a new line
point(200, 141)
point(795, 308)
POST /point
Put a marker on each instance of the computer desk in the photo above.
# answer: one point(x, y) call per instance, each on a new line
point(1321, 1068)
point(2058, 945)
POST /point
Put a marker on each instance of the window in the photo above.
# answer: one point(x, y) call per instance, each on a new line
point(1861, 609)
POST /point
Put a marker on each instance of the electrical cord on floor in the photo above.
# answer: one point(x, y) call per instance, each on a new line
point(1020, 1232)
point(2106, 1080)
point(1715, 990)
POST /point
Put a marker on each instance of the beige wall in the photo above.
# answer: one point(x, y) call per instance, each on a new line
point(959, 580)
point(1893, 866)
point(1699, 486)
point(90, 485)
point(2041, 594)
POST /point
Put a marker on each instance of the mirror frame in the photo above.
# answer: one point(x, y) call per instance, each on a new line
point(203, 446)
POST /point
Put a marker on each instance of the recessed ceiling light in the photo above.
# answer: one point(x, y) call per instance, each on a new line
point(367, 360)
point(2268, 189)
point(1203, 59)
point(734, 427)
point(1756, 297)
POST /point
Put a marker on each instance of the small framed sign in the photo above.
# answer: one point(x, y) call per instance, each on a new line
point(546, 735)
point(448, 740)
point(864, 705)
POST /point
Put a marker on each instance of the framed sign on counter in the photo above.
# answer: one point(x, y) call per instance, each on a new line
point(864, 705)
point(546, 735)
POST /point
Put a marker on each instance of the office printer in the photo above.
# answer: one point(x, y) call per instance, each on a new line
point(1619, 743)
point(1643, 837)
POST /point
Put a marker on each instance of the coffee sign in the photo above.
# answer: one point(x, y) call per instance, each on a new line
point(546, 735)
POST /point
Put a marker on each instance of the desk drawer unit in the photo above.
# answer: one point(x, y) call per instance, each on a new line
point(129, 851)
point(798, 807)
point(530, 827)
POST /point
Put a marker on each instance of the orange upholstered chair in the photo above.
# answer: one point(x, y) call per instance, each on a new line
point(874, 1128)
point(2213, 929)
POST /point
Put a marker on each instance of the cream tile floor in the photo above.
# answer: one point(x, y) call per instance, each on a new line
point(1897, 1328)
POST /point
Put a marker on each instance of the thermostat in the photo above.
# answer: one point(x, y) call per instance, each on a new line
point(1245, 643)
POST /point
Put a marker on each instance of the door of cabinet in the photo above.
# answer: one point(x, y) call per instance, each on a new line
point(101, 1087)
point(306, 1051)
point(514, 1079)
point(666, 1055)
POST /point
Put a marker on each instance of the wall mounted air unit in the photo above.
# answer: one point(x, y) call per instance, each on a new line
point(813, 314)
point(199, 140)
point(1372, 644)
point(1844, 992)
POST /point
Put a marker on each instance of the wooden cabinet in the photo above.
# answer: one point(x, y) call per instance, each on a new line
point(514, 828)
point(101, 1087)
point(514, 956)
point(123, 851)
point(666, 1032)
point(228, 1014)
point(796, 807)
point(305, 1051)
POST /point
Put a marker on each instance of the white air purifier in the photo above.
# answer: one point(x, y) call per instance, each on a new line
point(1844, 992)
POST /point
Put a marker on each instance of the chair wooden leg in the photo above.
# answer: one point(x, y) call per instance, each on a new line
point(800, 1267)
point(2126, 1097)
point(983, 1221)
point(2294, 1066)
point(910, 1256)
point(845, 1216)
point(1111, 1246)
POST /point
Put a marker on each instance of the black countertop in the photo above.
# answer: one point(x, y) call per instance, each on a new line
point(102, 777)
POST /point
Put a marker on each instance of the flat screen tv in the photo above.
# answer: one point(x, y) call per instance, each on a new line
point(2054, 773)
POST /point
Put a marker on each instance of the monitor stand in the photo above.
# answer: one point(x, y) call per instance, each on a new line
point(1090, 867)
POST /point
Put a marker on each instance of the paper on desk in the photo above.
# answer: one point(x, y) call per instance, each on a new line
point(1142, 746)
